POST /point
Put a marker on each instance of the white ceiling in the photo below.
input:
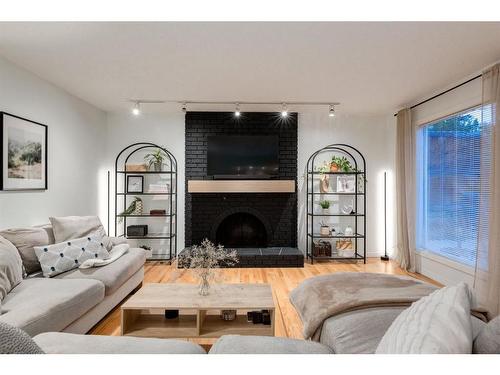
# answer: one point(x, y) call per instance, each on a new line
point(368, 67)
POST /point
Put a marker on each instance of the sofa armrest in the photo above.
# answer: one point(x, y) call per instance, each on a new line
point(114, 241)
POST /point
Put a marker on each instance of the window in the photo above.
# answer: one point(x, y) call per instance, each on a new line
point(452, 160)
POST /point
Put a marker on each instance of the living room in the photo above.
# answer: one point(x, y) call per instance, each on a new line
point(249, 188)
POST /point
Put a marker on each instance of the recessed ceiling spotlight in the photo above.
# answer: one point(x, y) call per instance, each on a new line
point(237, 112)
point(284, 111)
point(331, 112)
point(137, 109)
point(184, 107)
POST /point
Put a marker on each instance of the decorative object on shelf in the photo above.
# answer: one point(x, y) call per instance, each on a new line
point(145, 247)
point(346, 184)
point(324, 229)
point(155, 160)
point(325, 206)
point(134, 208)
point(340, 164)
point(344, 247)
point(162, 195)
point(136, 167)
point(23, 148)
point(157, 212)
point(228, 315)
point(135, 184)
point(171, 314)
point(137, 230)
point(204, 259)
point(159, 188)
point(324, 179)
point(348, 209)
point(347, 167)
point(322, 248)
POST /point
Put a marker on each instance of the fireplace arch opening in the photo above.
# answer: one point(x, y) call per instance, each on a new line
point(241, 229)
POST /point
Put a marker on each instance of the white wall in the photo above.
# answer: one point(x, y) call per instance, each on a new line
point(374, 136)
point(76, 142)
point(167, 130)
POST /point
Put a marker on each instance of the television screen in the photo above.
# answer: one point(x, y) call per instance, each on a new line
point(235, 156)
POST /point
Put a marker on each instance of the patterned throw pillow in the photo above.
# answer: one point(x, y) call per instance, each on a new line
point(65, 256)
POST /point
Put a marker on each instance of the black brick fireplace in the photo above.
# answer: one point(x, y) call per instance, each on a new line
point(241, 220)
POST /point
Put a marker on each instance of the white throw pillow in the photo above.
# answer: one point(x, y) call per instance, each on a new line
point(439, 323)
point(65, 256)
point(70, 227)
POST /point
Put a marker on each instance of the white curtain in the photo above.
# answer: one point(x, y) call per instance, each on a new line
point(405, 185)
point(487, 278)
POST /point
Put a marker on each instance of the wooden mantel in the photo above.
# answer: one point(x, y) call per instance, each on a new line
point(241, 186)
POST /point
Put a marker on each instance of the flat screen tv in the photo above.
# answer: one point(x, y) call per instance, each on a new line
point(240, 157)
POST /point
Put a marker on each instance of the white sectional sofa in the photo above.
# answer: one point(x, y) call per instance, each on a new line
point(73, 301)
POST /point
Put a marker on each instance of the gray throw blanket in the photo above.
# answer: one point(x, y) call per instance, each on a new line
point(319, 298)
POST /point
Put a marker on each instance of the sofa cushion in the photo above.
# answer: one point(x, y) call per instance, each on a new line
point(15, 341)
point(439, 323)
point(358, 331)
point(65, 256)
point(71, 227)
point(235, 344)
point(11, 268)
point(42, 305)
point(67, 343)
point(114, 274)
point(25, 239)
point(488, 340)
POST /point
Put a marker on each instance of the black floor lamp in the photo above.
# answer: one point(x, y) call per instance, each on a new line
point(385, 257)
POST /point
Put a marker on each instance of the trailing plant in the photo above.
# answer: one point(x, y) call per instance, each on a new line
point(323, 224)
point(130, 209)
point(324, 204)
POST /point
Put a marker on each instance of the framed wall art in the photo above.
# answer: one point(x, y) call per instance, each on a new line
point(23, 153)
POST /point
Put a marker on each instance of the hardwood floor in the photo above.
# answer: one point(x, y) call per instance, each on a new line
point(283, 280)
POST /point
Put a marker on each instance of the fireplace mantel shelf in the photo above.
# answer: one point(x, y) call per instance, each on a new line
point(241, 186)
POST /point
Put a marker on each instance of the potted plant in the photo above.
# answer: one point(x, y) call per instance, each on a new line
point(155, 160)
point(325, 206)
point(340, 164)
point(324, 229)
point(204, 260)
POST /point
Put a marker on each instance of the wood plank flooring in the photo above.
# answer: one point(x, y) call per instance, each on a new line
point(283, 280)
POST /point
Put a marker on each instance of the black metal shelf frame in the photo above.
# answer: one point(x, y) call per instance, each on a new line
point(357, 158)
point(120, 168)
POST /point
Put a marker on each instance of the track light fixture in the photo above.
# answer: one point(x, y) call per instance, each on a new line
point(136, 110)
point(284, 111)
point(331, 112)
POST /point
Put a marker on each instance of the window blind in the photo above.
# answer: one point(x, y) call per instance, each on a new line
point(453, 161)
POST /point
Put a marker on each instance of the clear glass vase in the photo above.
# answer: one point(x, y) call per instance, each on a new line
point(204, 286)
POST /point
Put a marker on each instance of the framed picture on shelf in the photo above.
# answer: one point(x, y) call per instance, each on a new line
point(135, 184)
point(346, 184)
point(23, 153)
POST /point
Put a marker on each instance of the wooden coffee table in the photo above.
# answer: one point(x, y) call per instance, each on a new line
point(143, 315)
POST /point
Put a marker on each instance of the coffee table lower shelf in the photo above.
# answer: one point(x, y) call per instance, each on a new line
point(200, 324)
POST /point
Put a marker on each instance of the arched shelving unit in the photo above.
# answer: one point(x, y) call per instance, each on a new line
point(336, 216)
point(163, 238)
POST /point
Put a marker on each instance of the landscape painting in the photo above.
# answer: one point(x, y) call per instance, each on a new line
point(24, 154)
